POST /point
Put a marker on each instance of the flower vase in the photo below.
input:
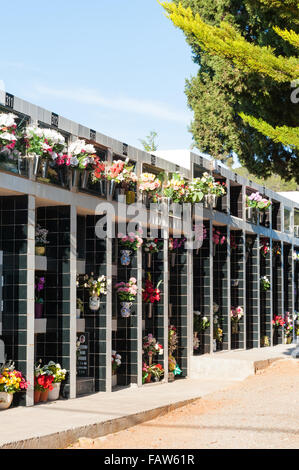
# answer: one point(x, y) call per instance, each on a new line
point(125, 310)
point(39, 310)
point(5, 400)
point(111, 186)
point(78, 313)
point(235, 328)
point(214, 345)
point(149, 260)
point(44, 396)
point(94, 302)
point(210, 201)
point(125, 259)
point(84, 179)
point(150, 310)
point(75, 174)
point(40, 250)
point(289, 339)
point(21, 165)
point(54, 393)
point(36, 162)
point(61, 176)
point(103, 187)
point(130, 197)
point(44, 168)
point(114, 379)
point(173, 260)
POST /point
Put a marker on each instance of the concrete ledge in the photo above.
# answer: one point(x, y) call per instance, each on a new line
point(61, 440)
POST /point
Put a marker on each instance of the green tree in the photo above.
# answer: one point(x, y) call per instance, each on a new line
point(149, 143)
point(240, 73)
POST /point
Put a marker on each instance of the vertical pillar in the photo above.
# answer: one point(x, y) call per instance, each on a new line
point(238, 297)
point(109, 246)
point(252, 292)
point(73, 300)
point(165, 236)
point(138, 351)
point(209, 284)
point(30, 300)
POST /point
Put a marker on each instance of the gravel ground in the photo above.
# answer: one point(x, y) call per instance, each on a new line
point(261, 412)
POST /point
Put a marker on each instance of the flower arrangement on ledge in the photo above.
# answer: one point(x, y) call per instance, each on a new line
point(151, 294)
point(97, 287)
point(11, 382)
point(276, 249)
point(151, 348)
point(47, 381)
point(153, 245)
point(173, 366)
point(149, 184)
point(265, 283)
point(257, 201)
point(217, 331)
point(288, 328)
point(45, 143)
point(132, 241)
point(80, 156)
point(218, 238)
point(175, 188)
point(8, 137)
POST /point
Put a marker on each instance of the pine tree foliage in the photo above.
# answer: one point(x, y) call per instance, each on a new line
point(224, 88)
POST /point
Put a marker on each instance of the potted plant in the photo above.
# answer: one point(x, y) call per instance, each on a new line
point(150, 294)
point(40, 240)
point(42, 383)
point(39, 301)
point(236, 314)
point(97, 287)
point(116, 363)
point(127, 292)
point(11, 381)
point(55, 370)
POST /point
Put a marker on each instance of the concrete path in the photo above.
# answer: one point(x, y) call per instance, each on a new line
point(56, 425)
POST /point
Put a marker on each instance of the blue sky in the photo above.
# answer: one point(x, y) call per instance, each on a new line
point(118, 66)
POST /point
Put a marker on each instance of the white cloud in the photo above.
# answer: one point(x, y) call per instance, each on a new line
point(90, 97)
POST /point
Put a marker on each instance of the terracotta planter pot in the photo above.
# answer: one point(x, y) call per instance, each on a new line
point(5, 400)
point(40, 250)
point(44, 396)
point(36, 396)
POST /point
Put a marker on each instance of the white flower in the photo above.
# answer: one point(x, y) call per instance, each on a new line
point(7, 120)
point(8, 136)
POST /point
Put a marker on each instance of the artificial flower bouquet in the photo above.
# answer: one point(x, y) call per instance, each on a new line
point(81, 156)
point(11, 380)
point(43, 378)
point(157, 371)
point(257, 201)
point(127, 291)
point(151, 294)
point(217, 331)
point(41, 236)
point(153, 245)
point(176, 188)
point(265, 248)
point(8, 137)
point(46, 143)
point(276, 249)
point(278, 321)
point(200, 322)
point(151, 346)
point(265, 283)
point(288, 326)
point(55, 370)
point(218, 239)
point(236, 313)
point(132, 241)
point(96, 286)
point(210, 186)
point(121, 172)
point(116, 361)
point(172, 339)
point(149, 183)
point(176, 243)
